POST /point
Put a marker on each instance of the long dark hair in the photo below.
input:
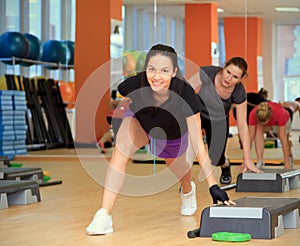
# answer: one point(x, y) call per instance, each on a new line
point(168, 51)
point(240, 63)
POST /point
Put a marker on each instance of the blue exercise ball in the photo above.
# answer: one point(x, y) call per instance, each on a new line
point(34, 49)
point(55, 51)
point(13, 44)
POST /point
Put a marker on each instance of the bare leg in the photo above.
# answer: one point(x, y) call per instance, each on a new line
point(115, 176)
point(290, 144)
point(182, 169)
point(259, 142)
point(131, 137)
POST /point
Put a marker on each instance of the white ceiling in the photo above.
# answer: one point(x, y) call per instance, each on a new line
point(257, 8)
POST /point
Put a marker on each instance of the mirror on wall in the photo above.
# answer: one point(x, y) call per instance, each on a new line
point(278, 68)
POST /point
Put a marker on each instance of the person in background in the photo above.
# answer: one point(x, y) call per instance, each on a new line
point(253, 99)
point(292, 107)
point(114, 118)
point(270, 116)
point(164, 109)
point(219, 88)
point(265, 93)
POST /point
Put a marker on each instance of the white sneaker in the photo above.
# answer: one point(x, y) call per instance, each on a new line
point(101, 224)
point(260, 164)
point(189, 201)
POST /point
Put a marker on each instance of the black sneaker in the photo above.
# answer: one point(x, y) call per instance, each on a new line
point(226, 175)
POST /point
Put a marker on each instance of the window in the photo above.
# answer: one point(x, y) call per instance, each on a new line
point(12, 15)
point(173, 33)
point(55, 20)
point(40, 26)
point(35, 20)
point(35, 28)
point(162, 23)
point(288, 62)
point(12, 24)
point(137, 13)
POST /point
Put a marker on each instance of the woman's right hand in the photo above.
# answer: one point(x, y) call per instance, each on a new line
point(219, 195)
point(248, 165)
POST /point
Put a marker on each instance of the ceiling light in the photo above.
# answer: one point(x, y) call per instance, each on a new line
point(219, 10)
point(287, 9)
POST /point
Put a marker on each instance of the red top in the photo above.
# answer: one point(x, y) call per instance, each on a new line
point(279, 116)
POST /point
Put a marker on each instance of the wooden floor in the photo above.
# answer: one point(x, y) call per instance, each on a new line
point(66, 209)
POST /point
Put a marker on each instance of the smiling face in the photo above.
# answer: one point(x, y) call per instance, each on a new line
point(231, 75)
point(160, 71)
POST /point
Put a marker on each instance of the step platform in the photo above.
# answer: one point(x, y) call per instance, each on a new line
point(14, 192)
point(263, 218)
point(4, 161)
point(271, 180)
point(22, 173)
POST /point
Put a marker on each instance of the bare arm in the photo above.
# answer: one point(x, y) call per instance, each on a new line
point(252, 134)
point(194, 126)
point(195, 133)
point(195, 82)
point(241, 114)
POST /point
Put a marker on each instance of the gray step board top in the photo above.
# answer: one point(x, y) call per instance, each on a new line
point(12, 172)
point(270, 174)
point(12, 186)
point(251, 207)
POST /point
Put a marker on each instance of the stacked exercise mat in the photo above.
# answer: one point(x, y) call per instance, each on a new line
point(12, 123)
point(46, 119)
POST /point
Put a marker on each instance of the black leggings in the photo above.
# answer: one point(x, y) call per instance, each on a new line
point(216, 137)
point(291, 113)
point(115, 124)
